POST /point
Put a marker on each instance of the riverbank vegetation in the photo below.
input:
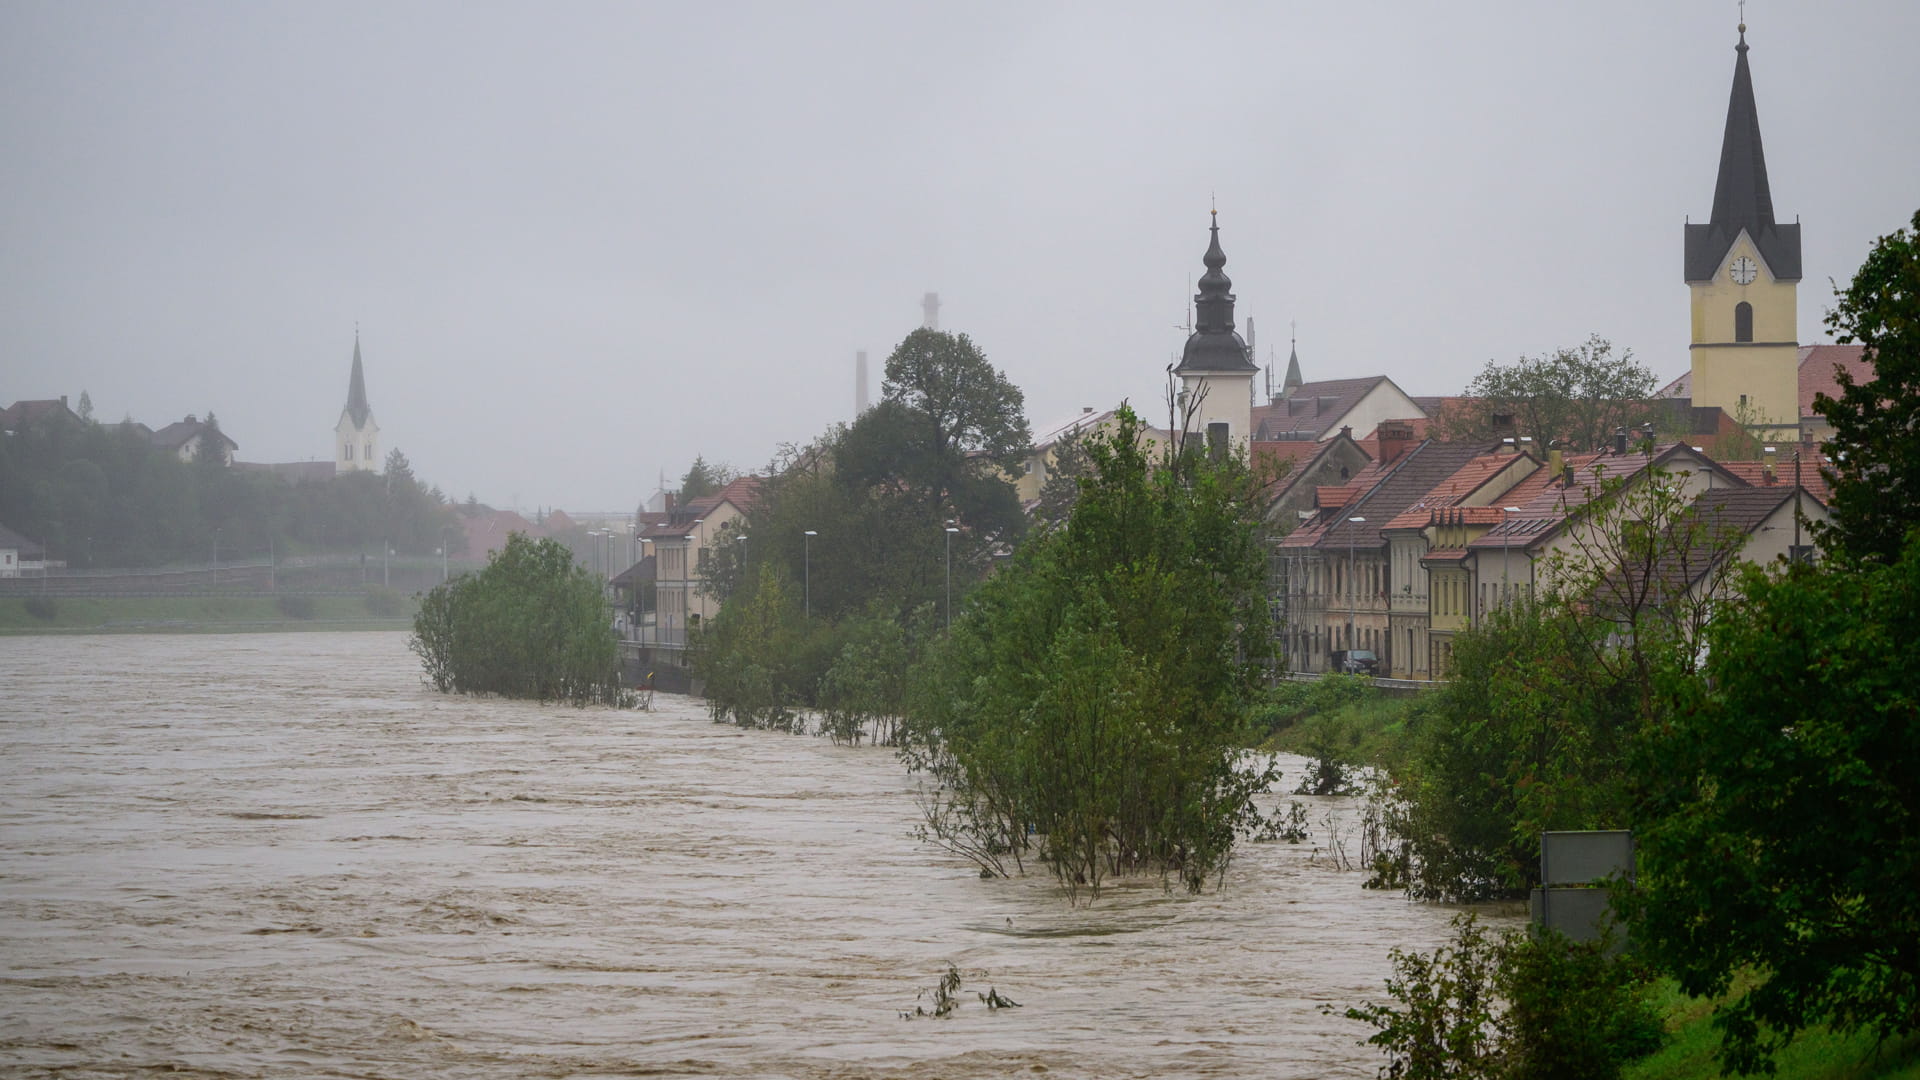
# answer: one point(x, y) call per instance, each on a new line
point(532, 624)
point(102, 495)
point(1757, 728)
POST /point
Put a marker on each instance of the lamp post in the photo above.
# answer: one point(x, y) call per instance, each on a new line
point(806, 570)
point(443, 553)
point(950, 531)
point(1505, 537)
point(1352, 593)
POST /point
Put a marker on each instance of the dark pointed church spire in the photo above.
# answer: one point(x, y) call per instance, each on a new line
point(1294, 381)
point(1213, 345)
point(1742, 198)
point(1740, 195)
point(357, 406)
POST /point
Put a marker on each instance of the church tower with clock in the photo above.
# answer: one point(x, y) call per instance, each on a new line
point(1743, 269)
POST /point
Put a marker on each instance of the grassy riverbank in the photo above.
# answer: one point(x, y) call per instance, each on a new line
point(203, 614)
point(1817, 1054)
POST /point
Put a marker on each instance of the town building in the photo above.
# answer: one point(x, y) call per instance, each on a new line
point(185, 438)
point(18, 553)
point(682, 551)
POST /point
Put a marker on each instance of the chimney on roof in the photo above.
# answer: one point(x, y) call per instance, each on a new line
point(1086, 410)
point(671, 498)
point(1346, 431)
point(1619, 440)
point(1767, 453)
point(1556, 461)
point(1396, 438)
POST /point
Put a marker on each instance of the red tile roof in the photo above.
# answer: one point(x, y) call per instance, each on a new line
point(1464, 482)
point(1818, 363)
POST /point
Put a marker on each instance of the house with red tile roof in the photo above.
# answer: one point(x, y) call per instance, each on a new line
point(1474, 493)
point(681, 547)
point(1337, 576)
point(1302, 469)
point(1516, 558)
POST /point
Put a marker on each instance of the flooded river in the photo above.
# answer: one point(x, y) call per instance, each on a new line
point(282, 855)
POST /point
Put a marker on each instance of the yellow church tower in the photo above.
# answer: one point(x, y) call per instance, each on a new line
point(1744, 270)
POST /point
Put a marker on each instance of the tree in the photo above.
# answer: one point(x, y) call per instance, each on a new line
point(1091, 700)
point(211, 449)
point(1579, 395)
point(1783, 821)
point(1069, 463)
point(1549, 697)
point(971, 407)
point(1875, 448)
point(703, 479)
point(532, 624)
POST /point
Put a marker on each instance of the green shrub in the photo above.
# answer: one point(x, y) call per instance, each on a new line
point(1524, 1006)
point(296, 607)
point(42, 608)
point(1573, 1012)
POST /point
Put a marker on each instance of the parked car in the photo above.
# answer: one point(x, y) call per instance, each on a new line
point(1356, 662)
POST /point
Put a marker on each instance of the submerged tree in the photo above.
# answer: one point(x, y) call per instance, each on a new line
point(532, 624)
point(1089, 705)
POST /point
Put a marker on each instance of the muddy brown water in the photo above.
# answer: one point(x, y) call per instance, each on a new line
point(282, 855)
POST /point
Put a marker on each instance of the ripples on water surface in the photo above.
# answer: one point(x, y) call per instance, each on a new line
point(281, 855)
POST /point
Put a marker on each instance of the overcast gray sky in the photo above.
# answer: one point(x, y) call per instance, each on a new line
point(585, 241)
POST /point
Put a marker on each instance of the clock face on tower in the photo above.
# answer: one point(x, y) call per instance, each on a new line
point(1744, 270)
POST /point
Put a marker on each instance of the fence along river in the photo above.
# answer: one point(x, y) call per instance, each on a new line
point(272, 855)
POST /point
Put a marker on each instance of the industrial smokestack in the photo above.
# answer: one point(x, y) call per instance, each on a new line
point(930, 311)
point(859, 383)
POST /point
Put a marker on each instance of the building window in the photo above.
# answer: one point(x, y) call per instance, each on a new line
point(368, 456)
point(1743, 321)
point(346, 451)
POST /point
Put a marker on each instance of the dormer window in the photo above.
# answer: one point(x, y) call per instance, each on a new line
point(1743, 321)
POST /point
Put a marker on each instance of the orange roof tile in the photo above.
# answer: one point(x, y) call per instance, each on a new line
point(1818, 364)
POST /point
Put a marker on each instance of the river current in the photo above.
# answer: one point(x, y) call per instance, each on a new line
point(283, 855)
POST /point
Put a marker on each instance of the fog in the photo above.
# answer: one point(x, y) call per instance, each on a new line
point(584, 242)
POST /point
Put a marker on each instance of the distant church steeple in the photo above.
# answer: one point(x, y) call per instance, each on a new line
point(356, 437)
point(1215, 369)
point(1742, 269)
point(1293, 381)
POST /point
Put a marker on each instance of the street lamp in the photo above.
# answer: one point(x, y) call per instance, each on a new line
point(1505, 537)
point(1352, 594)
point(950, 531)
point(806, 570)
